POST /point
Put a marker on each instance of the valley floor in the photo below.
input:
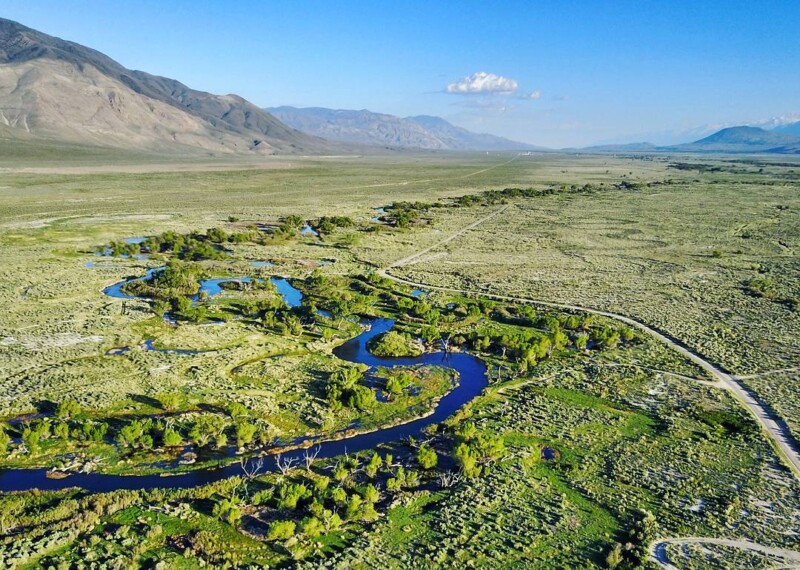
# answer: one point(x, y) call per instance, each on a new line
point(590, 456)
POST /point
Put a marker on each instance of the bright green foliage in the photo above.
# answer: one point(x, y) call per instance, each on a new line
point(172, 438)
point(281, 530)
point(228, 510)
point(426, 457)
point(68, 409)
point(312, 527)
point(289, 494)
point(245, 432)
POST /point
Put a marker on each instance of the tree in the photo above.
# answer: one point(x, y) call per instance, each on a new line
point(68, 409)
point(245, 432)
point(393, 386)
point(136, 434)
point(205, 428)
point(172, 438)
point(61, 430)
point(614, 557)
point(31, 439)
point(238, 410)
point(311, 527)
point(371, 469)
point(371, 494)
point(331, 520)
point(216, 235)
point(426, 457)
point(290, 494)
point(5, 440)
point(467, 460)
point(170, 402)
point(360, 397)
point(228, 510)
point(353, 507)
point(281, 530)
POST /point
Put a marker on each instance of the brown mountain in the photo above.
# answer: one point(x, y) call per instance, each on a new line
point(379, 129)
point(58, 90)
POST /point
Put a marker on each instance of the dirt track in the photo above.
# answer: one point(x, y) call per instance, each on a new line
point(773, 427)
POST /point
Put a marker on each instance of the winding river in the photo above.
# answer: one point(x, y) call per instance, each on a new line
point(472, 381)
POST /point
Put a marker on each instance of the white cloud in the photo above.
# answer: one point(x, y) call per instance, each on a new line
point(780, 121)
point(483, 82)
point(531, 95)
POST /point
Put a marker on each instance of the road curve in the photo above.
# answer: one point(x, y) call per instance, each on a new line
point(774, 429)
point(658, 549)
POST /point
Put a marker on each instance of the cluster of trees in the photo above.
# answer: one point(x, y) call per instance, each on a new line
point(764, 287)
point(197, 246)
point(203, 430)
point(340, 296)
point(306, 506)
point(394, 344)
point(328, 224)
point(403, 214)
point(177, 279)
point(633, 552)
point(344, 389)
point(475, 452)
point(119, 249)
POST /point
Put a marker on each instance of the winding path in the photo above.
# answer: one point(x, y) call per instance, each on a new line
point(658, 550)
point(772, 426)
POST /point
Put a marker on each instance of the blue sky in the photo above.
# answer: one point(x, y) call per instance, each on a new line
point(582, 72)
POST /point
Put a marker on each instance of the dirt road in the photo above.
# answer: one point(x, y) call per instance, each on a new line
point(773, 427)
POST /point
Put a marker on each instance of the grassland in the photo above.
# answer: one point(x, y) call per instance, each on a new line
point(630, 429)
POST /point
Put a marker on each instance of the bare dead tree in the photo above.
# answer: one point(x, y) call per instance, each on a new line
point(309, 457)
point(445, 343)
point(252, 468)
point(449, 479)
point(284, 465)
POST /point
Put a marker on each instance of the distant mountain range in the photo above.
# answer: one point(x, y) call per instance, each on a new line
point(790, 129)
point(56, 90)
point(743, 139)
point(378, 129)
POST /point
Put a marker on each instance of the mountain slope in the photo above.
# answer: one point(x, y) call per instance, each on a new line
point(790, 129)
point(744, 139)
point(379, 129)
point(60, 90)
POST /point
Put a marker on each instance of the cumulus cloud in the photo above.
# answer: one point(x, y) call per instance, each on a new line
point(531, 95)
point(483, 82)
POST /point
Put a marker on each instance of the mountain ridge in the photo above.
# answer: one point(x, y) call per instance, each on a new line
point(61, 90)
point(367, 127)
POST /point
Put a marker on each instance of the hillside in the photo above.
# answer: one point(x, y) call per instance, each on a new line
point(744, 139)
point(54, 89)
point(790, 129)
point(379, 129)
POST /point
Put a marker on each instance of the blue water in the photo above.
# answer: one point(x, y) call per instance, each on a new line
point(213, 287)
point(309, 231)
point(115, 290)
point(291, 296)
point(472, 374)
point(262, 264)
point(419, 293)
point(102, 265)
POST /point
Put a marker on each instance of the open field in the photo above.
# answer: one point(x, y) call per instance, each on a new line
point(576, 447)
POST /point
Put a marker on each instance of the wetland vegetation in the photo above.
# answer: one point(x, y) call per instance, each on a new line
point(590, 440)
